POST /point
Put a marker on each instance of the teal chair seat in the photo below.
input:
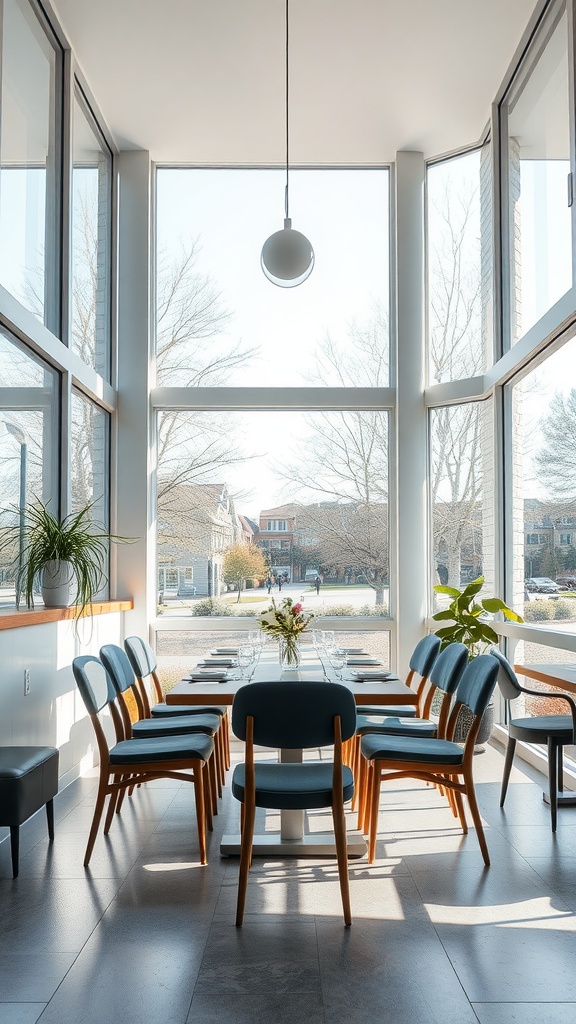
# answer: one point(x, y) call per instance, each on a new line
point(411, 748)
point(148, 727)
point(396, 726)
point(173, 710)
point(172, 748)
point(400, 710)
point(295, 787)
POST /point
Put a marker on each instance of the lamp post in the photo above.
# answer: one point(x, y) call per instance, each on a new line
point(20, 436)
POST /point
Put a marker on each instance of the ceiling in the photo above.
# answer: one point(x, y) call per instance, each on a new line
point(202, 81)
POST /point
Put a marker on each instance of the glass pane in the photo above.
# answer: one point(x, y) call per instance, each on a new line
point(220, 321)
point(540, 237)
point(459, 261)
point(90, 457)
point(91, 203)
point(306, 495)
point(462, 496)
point(28, 443)
point(29, 165)
point(544, 491)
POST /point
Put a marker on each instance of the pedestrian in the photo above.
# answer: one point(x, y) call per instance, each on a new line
point(317, 584)
point(279, 584)
point(269, 583)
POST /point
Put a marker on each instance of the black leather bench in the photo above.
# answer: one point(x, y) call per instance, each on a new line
point(28, 780)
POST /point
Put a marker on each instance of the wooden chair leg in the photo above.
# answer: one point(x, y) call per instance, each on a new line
point(112, 804)
point(507, 768)
point(363, 794)
point(200, 808)
point(374, 775)
point(475, 812)
point(226, 726)
point(101, 797)
point(339, 820)
point(209, 795)
point(245, 861)
point(460, 811)
point(213, 779)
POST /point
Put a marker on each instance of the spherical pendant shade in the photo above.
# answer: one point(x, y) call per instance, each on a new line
point(287, 257)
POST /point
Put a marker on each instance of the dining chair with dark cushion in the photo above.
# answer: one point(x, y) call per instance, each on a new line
point(444, 677)
point(556, 731)
point(130, 761)
point(440, 761)
point(118, 666)
point(145, 667)
point(293, 715)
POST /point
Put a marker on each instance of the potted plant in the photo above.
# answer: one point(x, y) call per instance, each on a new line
point(469, 626)
point(67, 557)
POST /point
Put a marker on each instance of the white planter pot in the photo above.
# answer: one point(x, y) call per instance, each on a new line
point(58, 584)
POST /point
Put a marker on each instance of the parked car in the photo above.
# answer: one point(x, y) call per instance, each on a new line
point(566, 582)
point(541, 585)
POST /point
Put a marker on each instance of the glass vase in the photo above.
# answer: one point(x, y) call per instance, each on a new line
point(289, 652)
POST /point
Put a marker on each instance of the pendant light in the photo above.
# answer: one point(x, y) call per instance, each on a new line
point(287, 257)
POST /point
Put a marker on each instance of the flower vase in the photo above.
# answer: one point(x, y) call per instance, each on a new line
point(289, 653)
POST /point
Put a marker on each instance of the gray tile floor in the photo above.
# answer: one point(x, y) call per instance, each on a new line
point(147, 935)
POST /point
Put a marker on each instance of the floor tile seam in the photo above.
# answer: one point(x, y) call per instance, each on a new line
point(212, 921)
point(454, 971)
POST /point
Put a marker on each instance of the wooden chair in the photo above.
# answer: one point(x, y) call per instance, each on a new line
point(293, 715)
point(440, 761)
point(556, 731)
point(116, 662)
point(145, 667)
point(421, 661)
point(130, 761)
point(445, 675)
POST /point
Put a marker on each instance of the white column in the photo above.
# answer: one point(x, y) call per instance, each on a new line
point(135, 562)
point(411, 422)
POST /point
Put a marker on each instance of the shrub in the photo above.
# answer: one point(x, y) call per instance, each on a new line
point(245, 613)
point(211, 606)
point(539, 611)
point(339, 609)
point(564, 609)
point(373, 609)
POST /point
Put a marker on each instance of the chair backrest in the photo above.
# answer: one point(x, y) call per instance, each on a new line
point(507, 680)
point(94, 683)
point(294, 714)
point(118, 666)
point(424, 654)
point(141, 656)
point(448, 667)
point(477, 683)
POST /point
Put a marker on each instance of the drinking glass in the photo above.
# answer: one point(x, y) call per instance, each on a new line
point(245, 658)
point(337, 663)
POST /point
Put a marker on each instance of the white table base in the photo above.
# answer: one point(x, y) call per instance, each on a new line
point(272, 844)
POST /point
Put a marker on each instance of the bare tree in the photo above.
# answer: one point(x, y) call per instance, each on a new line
point(556, 460)
point(456, 350)
point(339, 476)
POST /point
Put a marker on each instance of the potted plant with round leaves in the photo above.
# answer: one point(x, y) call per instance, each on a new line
point(66, 556)
point(469, 626)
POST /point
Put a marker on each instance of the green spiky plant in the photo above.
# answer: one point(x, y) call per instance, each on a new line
point(465, 615)
point(42, 537)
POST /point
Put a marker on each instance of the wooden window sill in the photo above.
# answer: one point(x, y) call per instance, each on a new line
point(12, 619)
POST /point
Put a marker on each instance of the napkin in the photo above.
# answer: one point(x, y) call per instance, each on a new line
point(363, 661)
point(370, 675)
point(353, 650)
point(212, 662)
point(207, 675)
point(224, 650)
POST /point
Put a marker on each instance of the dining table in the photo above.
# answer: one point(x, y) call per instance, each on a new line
point(294, 838)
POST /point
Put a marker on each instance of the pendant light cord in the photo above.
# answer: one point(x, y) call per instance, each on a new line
point(287, 149)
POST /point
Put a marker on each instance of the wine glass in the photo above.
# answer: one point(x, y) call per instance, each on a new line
point(337, 663)
point(245, 658)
